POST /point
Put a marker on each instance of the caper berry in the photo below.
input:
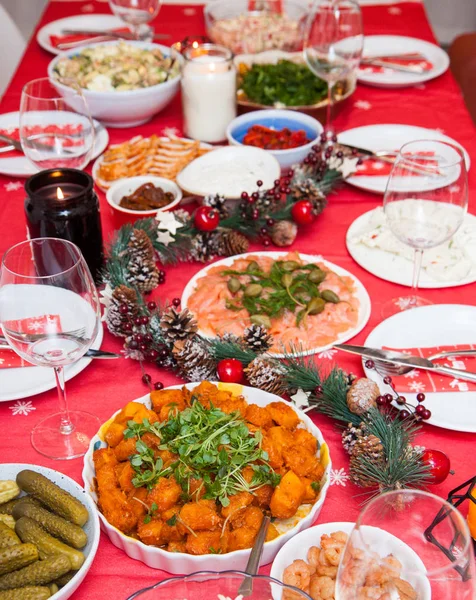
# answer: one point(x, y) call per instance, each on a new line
point(315, 306)
point(253, 290)
point(330, 296)
point(233, 284)
point(261, 320)
point(317, 276)
point(287, 279)
point(290, 265)
point(253, 267)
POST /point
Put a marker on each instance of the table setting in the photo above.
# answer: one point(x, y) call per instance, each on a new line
point(238, 340)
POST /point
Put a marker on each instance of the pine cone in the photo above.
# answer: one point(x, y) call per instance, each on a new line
point(283, 233)
point(362, 395)
point(140, 245)
point(308, 189)
point(218, 202)
point(257, 338)
point(177, 325)
point(142, 270)
point(116, 319)
point(233, 242)
point(194, 362)
point(182, 215)
point(266, 375)
point(370, 447)
point(205, 246)
point(350, 435)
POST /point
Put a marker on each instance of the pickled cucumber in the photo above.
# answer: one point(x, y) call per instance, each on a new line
point(53, 588)
point(69, 533)
point(8, 537)
point(64, 579)
point(7, 508)
point(26, 593)
point(38, 573)
point(16, 557)
point(56, 499)
point(8, 520)
point(29, 531)
point(8, 490)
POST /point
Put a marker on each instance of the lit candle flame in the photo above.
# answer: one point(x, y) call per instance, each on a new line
point(59, 193)
point(195, 45)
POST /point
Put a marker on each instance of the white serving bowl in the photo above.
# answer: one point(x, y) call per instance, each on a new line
point(383, 543)
point(121, 109)
point(128, 185)
point(91, 528)
point(277, 119)
point(179, 562)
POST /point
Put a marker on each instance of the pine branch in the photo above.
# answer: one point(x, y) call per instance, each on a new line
point(333, 400)
point(301, 373)
point(220, 349)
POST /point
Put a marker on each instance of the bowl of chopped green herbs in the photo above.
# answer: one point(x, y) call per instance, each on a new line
point(277, 79)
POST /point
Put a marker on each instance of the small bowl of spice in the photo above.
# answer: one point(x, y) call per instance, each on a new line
point(143, 196)
point(287, 135)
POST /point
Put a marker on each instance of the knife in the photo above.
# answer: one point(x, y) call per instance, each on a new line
point(114, 34)
point(404, 360)
point(91, 353)
point(416, 70)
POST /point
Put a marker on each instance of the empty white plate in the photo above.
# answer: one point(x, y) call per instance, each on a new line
point(379, 45)
point(389, 137)
point(427, 327)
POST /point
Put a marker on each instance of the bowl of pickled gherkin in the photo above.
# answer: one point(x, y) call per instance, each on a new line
point(49, 533)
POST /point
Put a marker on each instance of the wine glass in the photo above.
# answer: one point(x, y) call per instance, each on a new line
point(425, 203)
point(137, 13)
point(408, 544)
point(50, 315)
point(333, 43)
point(52, 133)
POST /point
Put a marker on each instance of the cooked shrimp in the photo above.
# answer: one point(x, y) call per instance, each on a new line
point(322, 588)
point(333, 546)
point(371, 593)
point(387, 569)
point(313, 555)
point(298, 574)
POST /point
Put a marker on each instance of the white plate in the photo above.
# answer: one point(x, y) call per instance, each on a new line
point(94, 22)
point(20, 166)
point(399, 268)
point(230, 171)
point(24, 382)
point(428, 326)
point(389, 137)
point(92, 527)
point(378, 45)
point(361, 293)
point(383, 543)
point(181, 563)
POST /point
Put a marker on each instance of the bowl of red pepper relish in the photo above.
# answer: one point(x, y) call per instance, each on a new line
point(286, 134)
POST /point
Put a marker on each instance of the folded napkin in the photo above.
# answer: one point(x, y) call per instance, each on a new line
point(422, 63)
point(419, 380)
point(67, 129)
point(10, 359)
point(68, 39)
point(375, 167)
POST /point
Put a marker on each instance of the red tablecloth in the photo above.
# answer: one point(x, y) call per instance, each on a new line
point(106, 386)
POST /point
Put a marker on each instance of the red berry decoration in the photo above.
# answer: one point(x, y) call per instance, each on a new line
point(158, 385)
point(230, 370)
point(439, 465)
point(176, 302)
point(302, 213)
point(146, 378)
point(206, 218)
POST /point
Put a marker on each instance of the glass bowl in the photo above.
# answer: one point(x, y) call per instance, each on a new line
point(211, 585)
point(249, 27)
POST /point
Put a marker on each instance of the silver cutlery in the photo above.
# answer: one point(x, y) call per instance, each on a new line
point(415, 69)
point(98, 36)
point(91, 353)
point(252, 566)
point(389, 362)
point(16, 145)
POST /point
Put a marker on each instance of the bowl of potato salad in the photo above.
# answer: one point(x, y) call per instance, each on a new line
point(124, 83)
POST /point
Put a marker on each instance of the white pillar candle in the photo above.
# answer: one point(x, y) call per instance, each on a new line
point(208, 92)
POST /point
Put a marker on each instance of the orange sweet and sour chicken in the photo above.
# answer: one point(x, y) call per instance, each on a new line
point(174, 513)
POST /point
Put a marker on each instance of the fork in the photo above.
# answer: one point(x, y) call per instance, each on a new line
point(24, 337)
point(388, 368)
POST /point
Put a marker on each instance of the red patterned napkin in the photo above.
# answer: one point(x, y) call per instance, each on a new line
point(374, 167)
point(68, 39)
point(423, 381)
point(423, 64)
point(10, 359)
point(14, 133)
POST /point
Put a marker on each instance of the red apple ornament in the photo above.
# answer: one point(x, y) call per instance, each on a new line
point(302, 213)
point(206, 218)
point(230, 370)
point(439, 465)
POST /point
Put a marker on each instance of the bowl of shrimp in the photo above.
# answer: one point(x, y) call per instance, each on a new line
point(310, 561)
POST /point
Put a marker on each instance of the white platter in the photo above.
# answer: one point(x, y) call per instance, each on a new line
point(378, 45)
point(383, 543)
point(429, 326)
point(229, 171)
point(20, 166)
point(181, 563)
point(24, 382)
point(93, 22)
point(398, 268)
point(92, 528)
point(361, 293)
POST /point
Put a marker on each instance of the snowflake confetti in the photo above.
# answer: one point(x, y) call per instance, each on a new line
point(301, 399)
point(87, 8)
point(327, 354)
point(171, 131)
point(462, 386)
point(35, 326)
point(403, 303)
point(189, 12)
point(362, 104)
point(22, 408)
point(11, 186)
point(394, 10)
point(167, 222)
point(338, 477)
point(2, 360)
point(412, 374)
point(164, 237)
point(417, 386)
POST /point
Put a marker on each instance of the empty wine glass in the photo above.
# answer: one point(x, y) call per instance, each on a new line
point(50, 316)
point(137, 14)
point(425, 203)
point(52, 133)
point(408, 544)
point(333, 43)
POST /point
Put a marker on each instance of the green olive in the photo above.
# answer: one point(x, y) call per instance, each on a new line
point(233, 284)
point(287, 279)
point(253, 267)
point(261, 320)
point(317, 276)
point(290, 265)
point(253, 290)
point(330, 296)
point(315, 306)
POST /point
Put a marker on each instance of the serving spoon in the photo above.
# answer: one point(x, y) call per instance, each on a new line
point(252, 566)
